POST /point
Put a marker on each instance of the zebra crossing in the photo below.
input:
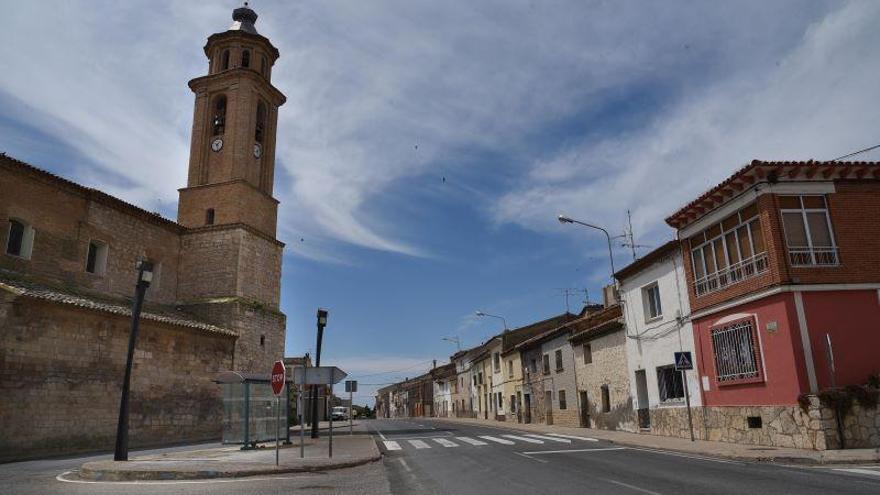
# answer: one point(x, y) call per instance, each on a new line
point(524, 439)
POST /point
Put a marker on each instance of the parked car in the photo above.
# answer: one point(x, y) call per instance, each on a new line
point(339, 413)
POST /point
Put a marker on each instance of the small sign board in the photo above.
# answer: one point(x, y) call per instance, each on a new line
point(320, 375)
point(683, 361)
point(351, 386)
point(277, 377)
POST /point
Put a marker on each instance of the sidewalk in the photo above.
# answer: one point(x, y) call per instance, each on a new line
point(754, 453)
point(229, 461)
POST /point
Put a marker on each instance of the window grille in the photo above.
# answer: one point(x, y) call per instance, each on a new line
point(546, 363)
point(558, 361)
point(669, 383)
point(735, 352)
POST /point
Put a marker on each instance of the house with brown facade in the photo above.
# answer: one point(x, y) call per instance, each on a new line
point(782, 263)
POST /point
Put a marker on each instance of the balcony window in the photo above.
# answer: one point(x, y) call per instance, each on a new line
point(728, 252)
point(808, 233)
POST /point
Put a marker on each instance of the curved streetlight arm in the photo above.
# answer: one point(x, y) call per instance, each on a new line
point(482, 314)
point(565, 219)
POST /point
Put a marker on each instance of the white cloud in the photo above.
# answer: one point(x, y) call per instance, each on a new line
point(367, 82)
point(815, 102)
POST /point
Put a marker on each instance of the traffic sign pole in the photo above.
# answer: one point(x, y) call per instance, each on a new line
point(350, 421)
point(687, 401)
point(277, 382)
point(302, 416)
point(684, 362)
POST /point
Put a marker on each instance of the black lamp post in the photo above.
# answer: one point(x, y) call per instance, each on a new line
point(322, 322)
point(145, 276)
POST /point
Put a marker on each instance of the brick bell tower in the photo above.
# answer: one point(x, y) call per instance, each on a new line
point(230, 268)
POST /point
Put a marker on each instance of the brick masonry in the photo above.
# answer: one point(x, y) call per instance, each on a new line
point(61, 372)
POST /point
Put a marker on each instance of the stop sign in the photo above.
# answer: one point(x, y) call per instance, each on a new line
point(278, 377)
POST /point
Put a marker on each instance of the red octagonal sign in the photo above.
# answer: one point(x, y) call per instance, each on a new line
point(278, 377)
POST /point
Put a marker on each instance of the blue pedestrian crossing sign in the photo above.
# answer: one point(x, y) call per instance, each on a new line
point(683, 361)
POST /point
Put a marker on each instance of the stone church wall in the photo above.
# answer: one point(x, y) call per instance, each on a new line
point(61, 371)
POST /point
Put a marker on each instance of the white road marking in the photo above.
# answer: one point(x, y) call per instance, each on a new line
point(392, 445)
point(472, 441)
point(405, 465)
point(531, 458)
point(380, 434)
point(573, 437)
point(677, 454)
point(497, 440)
point(542, 452)
point(523, 439)
point(61, 477)
point(419, 444)
point(552, 439)
point(631, 487)
point(446, 443)
point(860, 471)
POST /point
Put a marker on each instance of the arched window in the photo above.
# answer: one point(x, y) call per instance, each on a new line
point(246, 58)
point(218, 122)
point(20, 240)
point(224, 60)
point(264, 67)
point(259, 132)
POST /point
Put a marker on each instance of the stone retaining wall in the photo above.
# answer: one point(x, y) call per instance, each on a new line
point(781, 426)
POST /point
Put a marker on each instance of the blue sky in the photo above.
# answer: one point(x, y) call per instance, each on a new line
point(527, 109)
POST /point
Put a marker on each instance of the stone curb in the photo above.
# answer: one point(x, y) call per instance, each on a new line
point(93, 471)
point(818, 459)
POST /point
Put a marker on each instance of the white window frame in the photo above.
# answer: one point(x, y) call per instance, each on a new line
point(646, 302)
point(719, 278)
point(812, 249)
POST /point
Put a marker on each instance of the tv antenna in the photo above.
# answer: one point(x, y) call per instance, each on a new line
point(567, 292)
point(629, 238)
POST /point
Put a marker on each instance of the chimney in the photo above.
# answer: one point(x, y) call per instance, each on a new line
point(610, 296)
point(435, 364)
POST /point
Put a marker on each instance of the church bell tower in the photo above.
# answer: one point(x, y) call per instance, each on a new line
point(232, 154)
point(230, 261)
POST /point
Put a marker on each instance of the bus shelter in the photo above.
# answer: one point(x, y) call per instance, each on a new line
point(249, 414)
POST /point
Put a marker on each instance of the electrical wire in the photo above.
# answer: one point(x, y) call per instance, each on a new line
point(856, 153)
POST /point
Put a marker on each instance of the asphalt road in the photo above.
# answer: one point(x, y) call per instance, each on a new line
point(441, 457)
point(42, 477)
point(433, 457)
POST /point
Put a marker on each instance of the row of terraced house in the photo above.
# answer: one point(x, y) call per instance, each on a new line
point(772, 283)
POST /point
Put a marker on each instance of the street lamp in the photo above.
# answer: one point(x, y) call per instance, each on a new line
point(322, 322)
point(482, 315)
point(565, 219)
point(144, 277)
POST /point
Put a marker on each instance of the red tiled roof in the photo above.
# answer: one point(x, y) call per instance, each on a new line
point(89, 193)
point(771, 171)
point(598, 323)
